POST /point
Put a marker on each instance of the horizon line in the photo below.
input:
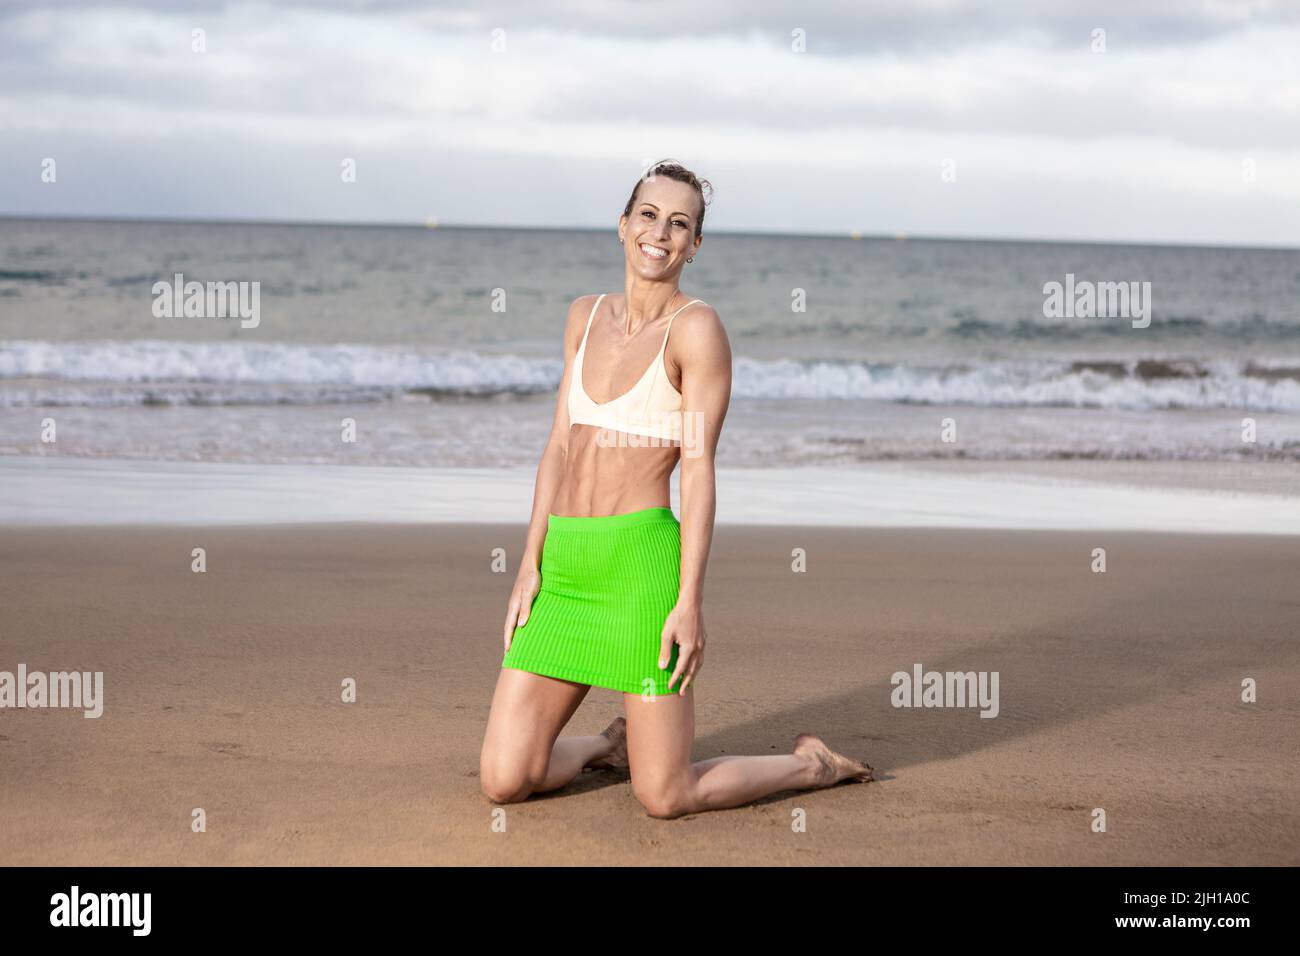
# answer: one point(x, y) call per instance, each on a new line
point(852, 235)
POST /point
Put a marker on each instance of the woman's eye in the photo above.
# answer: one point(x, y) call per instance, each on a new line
point(676, 222)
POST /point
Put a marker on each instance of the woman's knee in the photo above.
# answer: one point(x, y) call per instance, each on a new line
point(661, 798)
point(503, 780)
point(506, 786)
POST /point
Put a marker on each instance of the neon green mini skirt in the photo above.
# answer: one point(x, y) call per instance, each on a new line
point(608, 584)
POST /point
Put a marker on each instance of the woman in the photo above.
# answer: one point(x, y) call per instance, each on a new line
point(610, 588)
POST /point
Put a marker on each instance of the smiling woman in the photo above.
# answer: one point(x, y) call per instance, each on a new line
point(610, 589)
point(628, 361)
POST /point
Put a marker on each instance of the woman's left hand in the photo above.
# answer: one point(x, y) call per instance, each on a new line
point(685, 628)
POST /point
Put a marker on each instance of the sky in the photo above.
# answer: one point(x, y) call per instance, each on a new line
point(1099, 120)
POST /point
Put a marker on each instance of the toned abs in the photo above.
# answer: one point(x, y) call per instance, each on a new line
point(626, 473)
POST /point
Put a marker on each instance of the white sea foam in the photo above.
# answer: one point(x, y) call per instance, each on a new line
point(238, 373)
point(285, 364)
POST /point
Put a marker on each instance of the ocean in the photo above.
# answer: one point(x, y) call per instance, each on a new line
point(443, 345)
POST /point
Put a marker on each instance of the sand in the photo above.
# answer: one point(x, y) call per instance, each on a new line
point(1118, 691)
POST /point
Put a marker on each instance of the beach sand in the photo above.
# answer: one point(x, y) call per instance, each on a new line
point(1118, 690)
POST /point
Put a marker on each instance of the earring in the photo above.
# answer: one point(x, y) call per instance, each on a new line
point(691, 259)
point(620, 242)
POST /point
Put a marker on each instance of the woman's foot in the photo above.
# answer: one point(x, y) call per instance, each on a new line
point(828, 767)
point(616, 759)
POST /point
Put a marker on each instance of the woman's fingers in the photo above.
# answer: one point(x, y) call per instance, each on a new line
point(696, 659)
point(526, 598)
point(666, 645)
point(666, 654)
point(689, 659)
point(512, 612)
point(685, 653)
point(521, 605)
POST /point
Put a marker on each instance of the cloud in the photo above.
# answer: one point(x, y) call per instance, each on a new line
point(1182, 99)
point(837, 28)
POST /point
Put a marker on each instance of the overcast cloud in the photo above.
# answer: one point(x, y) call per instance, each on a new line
point(1186, 129)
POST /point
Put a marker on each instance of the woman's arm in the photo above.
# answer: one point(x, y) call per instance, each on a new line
point(550, 474)
point(705, 361)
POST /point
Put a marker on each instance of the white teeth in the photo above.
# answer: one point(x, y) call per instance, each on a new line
point(652, 251)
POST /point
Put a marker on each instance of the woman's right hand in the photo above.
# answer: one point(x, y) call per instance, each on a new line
point(527, 584)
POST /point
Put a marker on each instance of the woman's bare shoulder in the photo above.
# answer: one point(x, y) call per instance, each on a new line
point(700, 338)
point(701, 322)
point(583, 305)
point(575, 322)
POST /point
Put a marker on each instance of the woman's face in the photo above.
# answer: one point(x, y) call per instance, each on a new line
point(659, 234)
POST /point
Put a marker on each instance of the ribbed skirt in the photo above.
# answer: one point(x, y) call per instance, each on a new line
point(608, 584)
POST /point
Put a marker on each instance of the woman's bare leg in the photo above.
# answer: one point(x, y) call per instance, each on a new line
point(660, 734)
point(521, 753)
point(571, 755)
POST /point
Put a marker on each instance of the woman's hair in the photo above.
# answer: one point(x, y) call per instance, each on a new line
point(672, 169)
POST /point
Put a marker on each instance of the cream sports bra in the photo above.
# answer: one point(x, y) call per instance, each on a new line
point(652, 407)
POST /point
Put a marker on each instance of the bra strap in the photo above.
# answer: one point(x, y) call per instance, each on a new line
point(594, 307)
point(660, 371)
point(670, 323)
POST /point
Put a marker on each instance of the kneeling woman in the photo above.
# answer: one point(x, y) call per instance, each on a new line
point(609, 591)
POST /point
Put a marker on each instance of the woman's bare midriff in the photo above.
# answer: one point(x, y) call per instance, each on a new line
point(615, 477)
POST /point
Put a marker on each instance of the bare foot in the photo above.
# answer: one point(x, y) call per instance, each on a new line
point(616, 759)
point(830, 768)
